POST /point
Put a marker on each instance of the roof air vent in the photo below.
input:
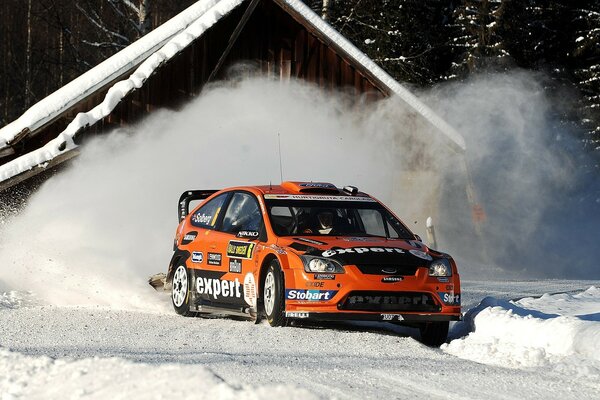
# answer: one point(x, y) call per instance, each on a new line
point(311, 187)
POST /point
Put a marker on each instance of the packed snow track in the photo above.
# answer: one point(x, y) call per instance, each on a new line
point(536, 347)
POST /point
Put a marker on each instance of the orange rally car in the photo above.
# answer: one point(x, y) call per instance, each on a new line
point(306, 250)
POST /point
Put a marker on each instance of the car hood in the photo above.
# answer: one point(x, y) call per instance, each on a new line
point(360, 250)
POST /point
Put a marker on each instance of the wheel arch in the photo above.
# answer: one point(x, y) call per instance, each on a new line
point(178, 257)
point(263, 272)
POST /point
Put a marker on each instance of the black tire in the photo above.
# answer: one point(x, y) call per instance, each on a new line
point(433, 334)
point(180, 291)
point(273, 298)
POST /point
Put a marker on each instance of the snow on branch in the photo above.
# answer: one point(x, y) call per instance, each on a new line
point(97, 21)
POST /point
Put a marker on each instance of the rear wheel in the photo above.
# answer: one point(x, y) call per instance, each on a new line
point(434, 333)
point(180, 291)
point(273, 295)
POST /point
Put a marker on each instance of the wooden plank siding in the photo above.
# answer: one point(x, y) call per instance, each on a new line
point(272, 41)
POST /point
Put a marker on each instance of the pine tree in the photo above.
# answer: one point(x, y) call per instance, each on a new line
point(586, 56)
point(405, 37)
point(477, 43)
point(536, 32)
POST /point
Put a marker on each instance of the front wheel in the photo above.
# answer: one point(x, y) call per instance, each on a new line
point(273, 295)
point(434, 333)
point(180, 291)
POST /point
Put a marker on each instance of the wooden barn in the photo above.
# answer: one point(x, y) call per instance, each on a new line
point(171, 64)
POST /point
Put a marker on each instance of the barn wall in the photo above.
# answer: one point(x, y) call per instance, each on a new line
point(271, 40)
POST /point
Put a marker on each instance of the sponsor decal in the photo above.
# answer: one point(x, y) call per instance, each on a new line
point(443, 279)
point(391, 317)
point(450, 298)
point(315, 284)
point(356, 239)
point(218, 288)
point(392, 279)
point(250, 290)
point(314, 197)
point(278, 250)
point(297, 314)
point(247, 234)
point(421, 254)
point(361, 250)
point(311, 241)
point(415, 299)
point(318, 185)
point(309, 295)
point(214, 258)
point(197, 257)
point(235, 265)
point(240, 249)
point(203, 219)
point(325, 277)
point(189, 237)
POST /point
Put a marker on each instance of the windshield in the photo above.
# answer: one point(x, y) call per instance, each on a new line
point(334, 218)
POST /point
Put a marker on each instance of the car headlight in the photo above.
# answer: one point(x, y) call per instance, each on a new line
point(440, 267)
point(319, 264)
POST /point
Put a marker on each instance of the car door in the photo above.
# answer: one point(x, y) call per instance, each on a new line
point(202, 222)
point(232, 247)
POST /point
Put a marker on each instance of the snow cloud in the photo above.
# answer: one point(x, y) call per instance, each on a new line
point(96, 231)
point(528, 175)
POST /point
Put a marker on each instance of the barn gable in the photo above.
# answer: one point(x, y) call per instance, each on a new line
point(170, 65)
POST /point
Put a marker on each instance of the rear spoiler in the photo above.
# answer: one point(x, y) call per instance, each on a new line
point(188, 196)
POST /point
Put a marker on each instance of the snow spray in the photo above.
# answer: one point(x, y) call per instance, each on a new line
point(94, 233)
point(538, 206)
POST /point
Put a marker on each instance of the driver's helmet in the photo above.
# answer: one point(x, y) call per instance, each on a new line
point(325, 220)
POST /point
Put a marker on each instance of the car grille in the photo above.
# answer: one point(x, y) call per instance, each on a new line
point(389, 301)
point(379, 269)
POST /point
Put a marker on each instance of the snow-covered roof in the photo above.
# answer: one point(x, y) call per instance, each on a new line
point(153, 50)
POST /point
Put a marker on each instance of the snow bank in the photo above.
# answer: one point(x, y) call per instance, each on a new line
point(15, 299)
point(27, 377)
point(561, 332)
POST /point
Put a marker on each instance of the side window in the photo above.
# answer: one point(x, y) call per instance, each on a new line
point(243, 214)
point(207, 215)
point(393, 232)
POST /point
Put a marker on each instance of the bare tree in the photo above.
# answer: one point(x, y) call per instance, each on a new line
point(117, 23)
point(27, 94)
point(327, 4)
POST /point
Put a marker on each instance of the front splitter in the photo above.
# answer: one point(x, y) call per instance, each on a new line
point(382, 317)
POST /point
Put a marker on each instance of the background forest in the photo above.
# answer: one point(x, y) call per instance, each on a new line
point(47, 43)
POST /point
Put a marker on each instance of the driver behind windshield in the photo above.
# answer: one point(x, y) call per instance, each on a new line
point(325, 219)
point(322, 222)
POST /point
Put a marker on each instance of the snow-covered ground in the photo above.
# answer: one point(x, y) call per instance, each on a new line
point(535, 347)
